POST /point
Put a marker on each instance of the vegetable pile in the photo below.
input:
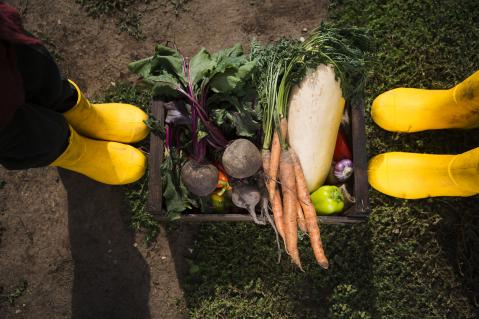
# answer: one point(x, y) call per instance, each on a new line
point(265, 132)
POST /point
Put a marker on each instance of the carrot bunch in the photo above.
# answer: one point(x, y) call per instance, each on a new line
point(292, 207)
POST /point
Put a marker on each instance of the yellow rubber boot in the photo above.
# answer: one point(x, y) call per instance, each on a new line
point(106, 162)
point(412, 176)
point(117, 122)
point(413, 110)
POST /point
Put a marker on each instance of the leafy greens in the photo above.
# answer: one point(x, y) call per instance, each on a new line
point(208, 99)
point(216, 87)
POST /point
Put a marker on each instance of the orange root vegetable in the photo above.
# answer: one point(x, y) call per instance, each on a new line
point(277, 208)
point(276, 205)
point(288, 186)
point(284, 128)
point(309, 213)
point(266, 157)
point(273, 166)
point(301, 220)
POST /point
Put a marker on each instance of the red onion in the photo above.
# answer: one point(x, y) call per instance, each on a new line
point(343, 169)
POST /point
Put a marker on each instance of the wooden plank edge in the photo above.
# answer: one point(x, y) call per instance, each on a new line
point(361, 185)
point(155, 183)
point(247, 218)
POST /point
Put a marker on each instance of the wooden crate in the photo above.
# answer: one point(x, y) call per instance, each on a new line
point(355, 214)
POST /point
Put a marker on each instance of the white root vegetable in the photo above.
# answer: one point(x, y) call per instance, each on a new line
point(247, 197)
point(316, 107)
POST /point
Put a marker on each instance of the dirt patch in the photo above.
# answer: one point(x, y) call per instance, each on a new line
point(35, 245)
point(68, 236)
point(94, 53)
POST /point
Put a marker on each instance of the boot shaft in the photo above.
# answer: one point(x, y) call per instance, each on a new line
point(117, 122)
point(466, 97)
point(467, 91)
point(464, 170)
point(413, 110)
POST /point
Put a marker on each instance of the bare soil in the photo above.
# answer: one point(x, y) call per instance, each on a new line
point(68, 236)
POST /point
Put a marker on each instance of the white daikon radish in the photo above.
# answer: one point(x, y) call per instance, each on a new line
point(315, 110)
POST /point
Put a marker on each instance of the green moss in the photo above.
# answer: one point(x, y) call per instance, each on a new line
point(130, 22)
point(425, 263)
point(12, 296)
point(100, 7)
point(178, 5)
point(230, 257)
point(414, 259)
point(127, 20)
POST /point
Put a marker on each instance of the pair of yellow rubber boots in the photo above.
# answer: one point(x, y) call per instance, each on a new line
point(99, 134)
point(411, 175)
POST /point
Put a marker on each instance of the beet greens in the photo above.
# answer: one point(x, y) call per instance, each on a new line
point(213, 89)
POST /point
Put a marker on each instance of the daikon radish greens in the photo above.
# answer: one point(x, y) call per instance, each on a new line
point(281, 66)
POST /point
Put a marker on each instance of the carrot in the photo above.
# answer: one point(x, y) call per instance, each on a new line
point(309, 213)
point(284, 128)
point(266, 157)
point(301, 220)
point(278, 216)
point(276, 205)
point(288, 186)
point(273, 166)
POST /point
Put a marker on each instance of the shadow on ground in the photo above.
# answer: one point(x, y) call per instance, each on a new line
point(458, 235)
point(111, 278)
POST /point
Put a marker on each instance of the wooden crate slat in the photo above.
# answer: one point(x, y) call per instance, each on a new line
point(355, 214)
point(247, 218)
point(155, 186)
point(361, 184)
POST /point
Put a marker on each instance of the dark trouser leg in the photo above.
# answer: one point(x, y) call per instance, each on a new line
point(35, 137)
point(43, 83)
point(38, 133)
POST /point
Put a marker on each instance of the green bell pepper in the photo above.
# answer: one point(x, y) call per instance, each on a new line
point(328, 200)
